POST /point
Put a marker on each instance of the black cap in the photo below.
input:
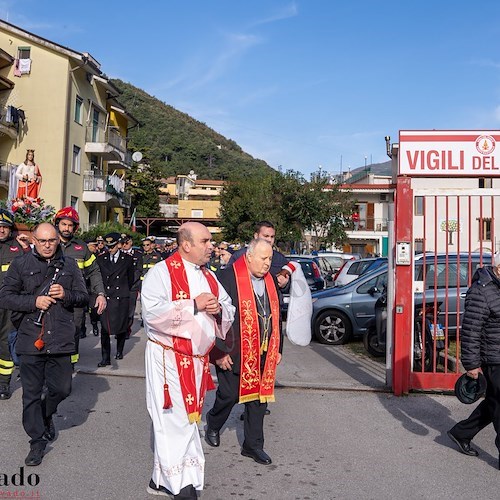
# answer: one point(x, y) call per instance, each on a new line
point(91, 241)
point(124, 237)
point(111, 239)
point(468, 390)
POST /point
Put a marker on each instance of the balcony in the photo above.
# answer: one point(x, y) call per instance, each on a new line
point(109, 189)
point(367, 225)
point(126, 163)
point(107, 143)
point(9, 121)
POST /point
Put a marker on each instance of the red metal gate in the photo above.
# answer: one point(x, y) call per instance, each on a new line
point(443, 233)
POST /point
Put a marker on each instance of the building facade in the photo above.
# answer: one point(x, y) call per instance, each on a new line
point(58, 102)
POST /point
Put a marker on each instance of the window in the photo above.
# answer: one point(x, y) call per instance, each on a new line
point(24, 52)
point(419, 205)
point(74, 202)
point(419, 245)
point(485, 229)
point(78, 109)
point(24, 61)
point(197, 213)
point(75, 164)
point(378, 282)
point(485, 183)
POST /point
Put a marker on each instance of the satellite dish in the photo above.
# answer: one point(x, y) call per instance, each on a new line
point(137, 156)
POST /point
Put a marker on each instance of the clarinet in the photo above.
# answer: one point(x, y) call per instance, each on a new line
point(58, 266)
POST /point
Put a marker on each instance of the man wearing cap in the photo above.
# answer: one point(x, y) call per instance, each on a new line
point(101, 247)
point(117, 270)
point(9, 250)
point(94, 317)
point(127, 248)
point(480, 352)
point(67, 222)
point(150, 256)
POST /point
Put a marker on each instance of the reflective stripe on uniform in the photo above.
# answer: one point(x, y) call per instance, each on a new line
point(149, 266)
point(89, 261)
point(80, 264)
point(5, 267)
point(6, 367)
point(75, 358)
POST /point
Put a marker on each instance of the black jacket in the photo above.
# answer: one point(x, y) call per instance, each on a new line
point(232, 344)
point(26, 279)
point(480, 333)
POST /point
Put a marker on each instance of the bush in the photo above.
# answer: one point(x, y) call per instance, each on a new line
point(110, 227)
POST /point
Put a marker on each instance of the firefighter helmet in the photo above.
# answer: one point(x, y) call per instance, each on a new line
point(68, 213)
point(6, 218)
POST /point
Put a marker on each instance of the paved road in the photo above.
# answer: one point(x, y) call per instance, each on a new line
point(333, 434)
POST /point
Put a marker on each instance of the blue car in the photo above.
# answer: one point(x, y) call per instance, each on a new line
point(344, 312)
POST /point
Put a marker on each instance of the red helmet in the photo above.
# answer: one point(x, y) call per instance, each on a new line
point(68, 213)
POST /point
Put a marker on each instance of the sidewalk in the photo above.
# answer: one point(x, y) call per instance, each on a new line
point(313, 367)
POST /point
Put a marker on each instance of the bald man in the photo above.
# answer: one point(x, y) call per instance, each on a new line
point(246, 362)
point(43, 287)
point(184, 309)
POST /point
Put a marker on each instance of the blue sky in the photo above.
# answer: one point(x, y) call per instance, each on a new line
point(297, 83)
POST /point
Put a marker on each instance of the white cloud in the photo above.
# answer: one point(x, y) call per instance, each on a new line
point(287, 12)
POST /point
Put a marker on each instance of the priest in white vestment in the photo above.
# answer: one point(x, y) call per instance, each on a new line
point(184, 309)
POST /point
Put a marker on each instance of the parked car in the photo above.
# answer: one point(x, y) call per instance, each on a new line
point(312, 273)
point(341, 313)
point(354, 268)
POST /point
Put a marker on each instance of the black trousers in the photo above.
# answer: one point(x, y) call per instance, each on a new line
point(226, 397)
point(53, 370)
point(78, 318)
point(487, 412)
point(114, 321)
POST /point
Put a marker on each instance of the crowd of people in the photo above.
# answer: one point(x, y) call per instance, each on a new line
point(201, 303)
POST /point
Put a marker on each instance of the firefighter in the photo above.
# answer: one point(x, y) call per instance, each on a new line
point(127, 248)
point(9, 250)
point(150, 256)
point(67, 222)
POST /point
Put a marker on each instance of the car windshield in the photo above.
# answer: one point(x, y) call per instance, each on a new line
point(307, 268)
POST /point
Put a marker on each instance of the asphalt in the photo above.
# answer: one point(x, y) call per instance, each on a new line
point(334, 432)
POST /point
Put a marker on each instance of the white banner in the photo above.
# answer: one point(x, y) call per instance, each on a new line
point(451, 153)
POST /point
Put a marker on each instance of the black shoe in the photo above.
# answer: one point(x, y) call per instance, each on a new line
point(5, 391)
point(83, 335)
point(260, 456)
point(50, 430)
point(267, 412)
point(95, 331)
point(34, 457)
point(152, 489)
point(187, 493)
point(103, 363)
point(242, 416)
point(119, 355)
point(212, 437)
point(463, 445)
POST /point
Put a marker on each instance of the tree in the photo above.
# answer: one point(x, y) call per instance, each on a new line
point(144, 184)
point(291, 203)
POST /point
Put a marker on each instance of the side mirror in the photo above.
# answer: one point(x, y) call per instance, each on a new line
point(373, 290)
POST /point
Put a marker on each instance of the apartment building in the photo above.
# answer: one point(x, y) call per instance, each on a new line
point(59, 102)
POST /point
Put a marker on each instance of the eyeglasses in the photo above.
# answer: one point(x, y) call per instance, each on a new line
point(50, 241)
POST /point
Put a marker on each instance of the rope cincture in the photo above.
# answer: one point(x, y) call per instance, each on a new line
point(167, 404)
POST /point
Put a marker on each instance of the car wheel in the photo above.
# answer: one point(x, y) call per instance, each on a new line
point(370, 341)
point(333, 328)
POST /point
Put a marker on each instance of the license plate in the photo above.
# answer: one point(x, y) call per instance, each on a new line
point(437, 333)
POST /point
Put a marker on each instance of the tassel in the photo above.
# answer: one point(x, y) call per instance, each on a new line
point(39, 344)
point(167, 401)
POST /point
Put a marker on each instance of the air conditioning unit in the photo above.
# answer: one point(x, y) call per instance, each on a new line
point(383, 196)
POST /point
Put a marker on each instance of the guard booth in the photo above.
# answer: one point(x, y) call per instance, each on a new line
point(445, 227)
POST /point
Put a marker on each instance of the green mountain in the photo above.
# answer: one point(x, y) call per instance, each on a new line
point(175, 143)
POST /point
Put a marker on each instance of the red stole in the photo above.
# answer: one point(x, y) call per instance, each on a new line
point(255, 385)
point(183, 348)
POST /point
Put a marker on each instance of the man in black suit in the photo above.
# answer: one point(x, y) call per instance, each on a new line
point(117, 270)
point(246, 361)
